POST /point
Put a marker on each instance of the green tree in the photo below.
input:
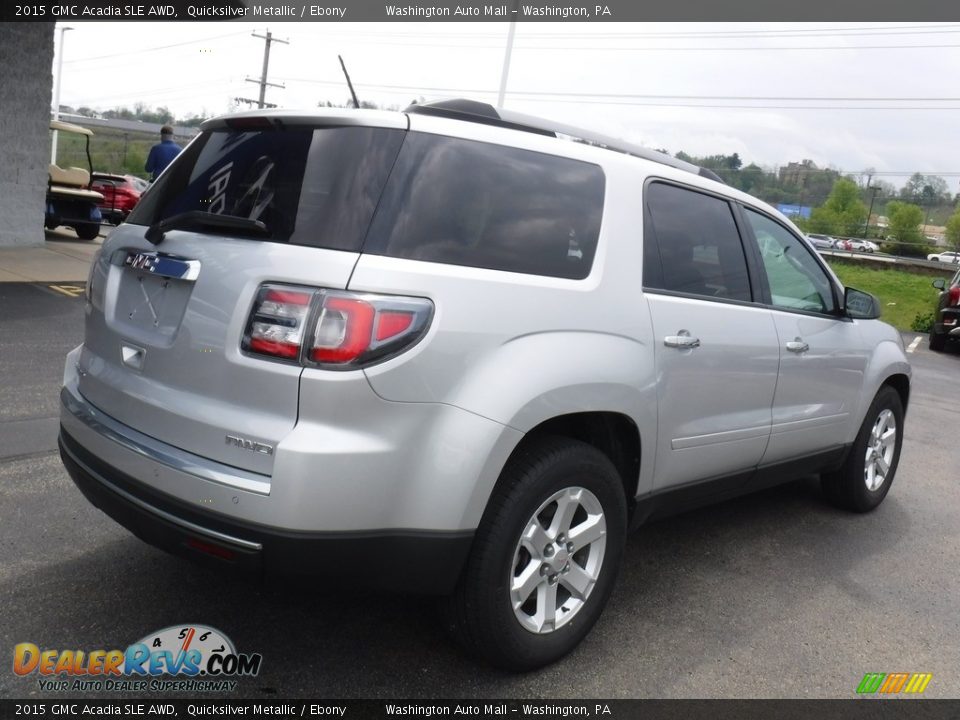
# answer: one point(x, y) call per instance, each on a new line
point(905, 220)
point(953, 231)
point(192, 121)
point(843, 213)
point(926, 190)
point(913, 188)
point(753, 179)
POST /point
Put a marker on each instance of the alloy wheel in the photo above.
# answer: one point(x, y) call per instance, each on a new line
point(558, 560)
point(881, 446)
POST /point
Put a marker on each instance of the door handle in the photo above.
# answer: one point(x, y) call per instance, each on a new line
point(797, 345)
point(682, 340)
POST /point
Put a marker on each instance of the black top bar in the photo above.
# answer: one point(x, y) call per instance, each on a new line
point(486, 114)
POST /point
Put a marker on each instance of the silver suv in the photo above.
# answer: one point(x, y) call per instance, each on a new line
point(461, 351)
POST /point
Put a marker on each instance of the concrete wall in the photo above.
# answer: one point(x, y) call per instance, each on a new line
point(26, 89)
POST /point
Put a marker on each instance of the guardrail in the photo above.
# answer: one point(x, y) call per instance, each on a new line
point(933, 267)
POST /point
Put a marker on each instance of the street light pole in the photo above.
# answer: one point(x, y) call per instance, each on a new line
point(501, 95)
point(56, 97)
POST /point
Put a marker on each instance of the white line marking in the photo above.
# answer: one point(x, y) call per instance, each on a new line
point(913, 345)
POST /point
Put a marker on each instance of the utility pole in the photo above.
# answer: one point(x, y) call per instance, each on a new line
point(873, 196)
point(262, 82)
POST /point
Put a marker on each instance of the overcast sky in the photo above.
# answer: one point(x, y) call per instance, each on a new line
point(772, 92)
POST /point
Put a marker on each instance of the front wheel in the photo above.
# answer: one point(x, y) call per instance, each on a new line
point(545, 556)
point(863, 481)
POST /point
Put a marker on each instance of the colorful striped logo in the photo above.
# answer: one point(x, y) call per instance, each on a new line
point(892, 683)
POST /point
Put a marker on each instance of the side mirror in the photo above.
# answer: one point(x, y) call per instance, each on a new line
point(940, 284)
point(860, 305)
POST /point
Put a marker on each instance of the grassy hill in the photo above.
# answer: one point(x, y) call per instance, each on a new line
point(113, 151)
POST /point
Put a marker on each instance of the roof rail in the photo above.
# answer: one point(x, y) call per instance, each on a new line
point(486, 114)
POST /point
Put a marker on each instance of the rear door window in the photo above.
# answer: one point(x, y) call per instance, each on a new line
point(692, 245)
point(463, 202)
point(309, 186)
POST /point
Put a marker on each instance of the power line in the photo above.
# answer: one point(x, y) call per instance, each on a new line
point(727, 34)
point(156, 48)
point(174, 90)
point(787, 32)
point(863, 29)
point(797, 32)
point(729, 106)
point(663, 48)
point(601, 97)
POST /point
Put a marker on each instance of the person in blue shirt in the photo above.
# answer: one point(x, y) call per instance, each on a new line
point(162, 154)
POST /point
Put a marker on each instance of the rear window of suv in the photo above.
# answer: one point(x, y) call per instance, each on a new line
point(309, 186)
point(388, 192)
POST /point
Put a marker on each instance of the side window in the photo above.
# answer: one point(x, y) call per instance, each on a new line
point(796, 281)
point(464, 202)
point(698, 248)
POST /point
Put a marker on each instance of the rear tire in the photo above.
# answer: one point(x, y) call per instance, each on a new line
point(937, 341)
point(544, 558)
point(864, 480)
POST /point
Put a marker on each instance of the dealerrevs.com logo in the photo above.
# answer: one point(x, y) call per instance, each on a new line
point(183, 658)
point(893, 683)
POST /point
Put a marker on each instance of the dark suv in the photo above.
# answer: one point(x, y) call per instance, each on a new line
point(946, 324)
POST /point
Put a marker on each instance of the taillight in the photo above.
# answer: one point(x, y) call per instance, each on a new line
point(334, 329)
point(277, 321)
point(953, 297)
point(343, 330)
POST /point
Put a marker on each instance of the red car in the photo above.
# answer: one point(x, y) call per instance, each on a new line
point(120, 193)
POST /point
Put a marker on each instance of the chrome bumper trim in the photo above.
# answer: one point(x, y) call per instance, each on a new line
point(180, 522)
point(160, 452)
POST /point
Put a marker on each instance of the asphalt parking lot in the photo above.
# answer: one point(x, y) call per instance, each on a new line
point(772, 595)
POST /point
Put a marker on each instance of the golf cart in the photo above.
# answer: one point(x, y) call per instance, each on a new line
point(70, 201)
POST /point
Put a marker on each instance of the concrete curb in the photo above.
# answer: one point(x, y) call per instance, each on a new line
point(62, 258)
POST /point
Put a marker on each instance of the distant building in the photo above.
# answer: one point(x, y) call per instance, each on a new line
point(795, 173)
point(936, 234)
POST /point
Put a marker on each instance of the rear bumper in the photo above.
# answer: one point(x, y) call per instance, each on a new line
point(408, 560)
point(949, 323)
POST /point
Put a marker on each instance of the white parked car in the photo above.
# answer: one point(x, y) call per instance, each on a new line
point(950, 257)
point(821, 242)
point(861, 245)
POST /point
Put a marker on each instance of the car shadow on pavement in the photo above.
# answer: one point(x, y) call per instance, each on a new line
point(710, 583)
point(67, 235)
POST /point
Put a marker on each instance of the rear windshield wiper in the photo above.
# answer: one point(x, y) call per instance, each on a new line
point(201, 220)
